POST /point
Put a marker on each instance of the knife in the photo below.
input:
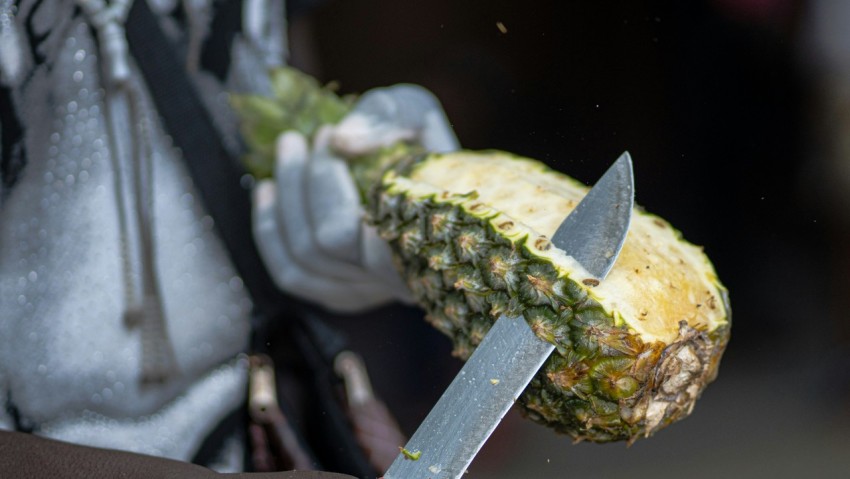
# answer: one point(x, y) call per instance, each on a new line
point(511, 354)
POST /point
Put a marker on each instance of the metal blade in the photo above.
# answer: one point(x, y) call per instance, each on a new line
point(474, 403)
point(596, 229)
point(511, 354)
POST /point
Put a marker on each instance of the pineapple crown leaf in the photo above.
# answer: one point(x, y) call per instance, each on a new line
point(298, 103)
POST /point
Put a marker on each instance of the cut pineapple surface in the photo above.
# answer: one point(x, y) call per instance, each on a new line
point(633, 352)
point(657, 280)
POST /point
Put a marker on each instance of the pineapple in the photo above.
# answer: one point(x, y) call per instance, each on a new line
point(470, 234)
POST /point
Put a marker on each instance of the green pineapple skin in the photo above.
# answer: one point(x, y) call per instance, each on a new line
point(602, 383)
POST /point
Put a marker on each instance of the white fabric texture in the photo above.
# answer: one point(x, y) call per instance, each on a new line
point(69, 365)
point(308, 222)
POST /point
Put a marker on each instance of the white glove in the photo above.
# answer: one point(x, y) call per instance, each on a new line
point(384, 116)
point(308, 222)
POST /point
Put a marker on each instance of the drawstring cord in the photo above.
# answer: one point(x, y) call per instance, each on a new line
point(198, 16)
point(11, 46)
point(143, 302)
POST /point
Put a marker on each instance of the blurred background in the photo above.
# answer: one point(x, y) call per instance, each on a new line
point(737, 115)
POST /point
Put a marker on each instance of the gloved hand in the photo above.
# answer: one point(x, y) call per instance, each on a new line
point(308, 222)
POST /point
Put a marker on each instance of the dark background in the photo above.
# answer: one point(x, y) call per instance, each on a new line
point(722, 115)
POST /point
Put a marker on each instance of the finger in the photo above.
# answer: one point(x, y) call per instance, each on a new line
point(376, 120)
point(287, 273)
point(293, 222)
point(387, 115)
point(359, 134)
point(334, 214)
point(334, 208)
point(437, 135)
point(297, 234)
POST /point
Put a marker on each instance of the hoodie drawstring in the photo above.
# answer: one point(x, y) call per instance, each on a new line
point(143, 299)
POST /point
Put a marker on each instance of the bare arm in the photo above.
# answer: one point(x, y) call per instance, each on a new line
point(25, 456)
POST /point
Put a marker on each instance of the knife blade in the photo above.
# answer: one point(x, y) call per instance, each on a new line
point(511, 354)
